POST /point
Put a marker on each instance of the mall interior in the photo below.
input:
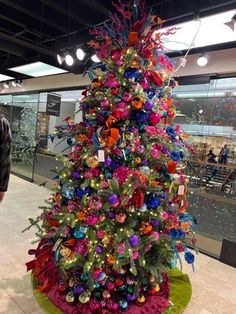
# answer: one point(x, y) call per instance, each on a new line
point(43, 54)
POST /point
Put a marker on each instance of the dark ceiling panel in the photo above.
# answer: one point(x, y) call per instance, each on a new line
point(29, 28)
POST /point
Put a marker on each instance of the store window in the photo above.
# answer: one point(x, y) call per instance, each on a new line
point(21, 111)
point(207, 112)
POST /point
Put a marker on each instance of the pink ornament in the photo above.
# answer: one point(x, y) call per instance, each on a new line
point(100, 234)
point(144, 84)
point(91, 220)
point(110, 286)
point(140, 149)
point(154, 153)
point(82, 247)
point(154, 118)
point(127, 96)
point(156, 235)
point(121, 174)
point(135, 254)
point(123, 110)
point(101, 217)
point(121, 248)
point(164, 106)
point(164, 215)
point(119, 62)
point(105, 103)
point(96, 202)
point(148, 247)
point(120, 217)
point(111, 81)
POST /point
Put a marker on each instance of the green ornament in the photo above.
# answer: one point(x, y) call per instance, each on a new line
point(131, 289)
point(129, 157)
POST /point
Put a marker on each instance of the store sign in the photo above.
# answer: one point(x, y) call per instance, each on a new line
point(53, 104)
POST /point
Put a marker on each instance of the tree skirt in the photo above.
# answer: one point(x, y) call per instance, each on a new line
point(174, 296)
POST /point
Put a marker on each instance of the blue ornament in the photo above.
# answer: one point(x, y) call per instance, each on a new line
point(68, 190)
point(132, 73)
point(81, 192)
point(123, 304)
point(189, 257)
point(143, 208)
point(140, 116)
point(175, 155)
point(152, 201)
point(173, 233)
point(78, 234)
point(83, 229)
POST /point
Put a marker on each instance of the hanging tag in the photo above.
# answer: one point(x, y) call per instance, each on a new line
point(101, 155)
point(181, 190)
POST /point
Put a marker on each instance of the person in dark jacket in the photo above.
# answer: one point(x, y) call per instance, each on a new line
point(5, 151)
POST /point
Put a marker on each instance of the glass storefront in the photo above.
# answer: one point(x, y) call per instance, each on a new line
point(207, 112)
point(21, 111)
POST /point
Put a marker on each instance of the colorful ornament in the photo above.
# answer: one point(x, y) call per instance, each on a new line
point(134, 240)
point(92, 161)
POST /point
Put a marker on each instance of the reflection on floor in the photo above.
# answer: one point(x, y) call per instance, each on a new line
point(214, 283)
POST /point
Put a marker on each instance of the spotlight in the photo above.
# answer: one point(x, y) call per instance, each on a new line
point(19, 83)
point(69, 60)
point(6, 85)
point(202, 61)
point(60, 59)
point(95, 58)
point(13, 83)
point(80, 54)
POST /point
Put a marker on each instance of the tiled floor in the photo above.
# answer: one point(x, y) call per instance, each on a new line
point(214, 284)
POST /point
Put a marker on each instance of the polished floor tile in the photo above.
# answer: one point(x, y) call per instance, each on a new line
point(213, 283)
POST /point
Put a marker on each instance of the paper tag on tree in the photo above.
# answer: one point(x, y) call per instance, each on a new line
point(181, 190)
point(101, 155)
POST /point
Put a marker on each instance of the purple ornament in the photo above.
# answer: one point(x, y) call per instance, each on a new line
point(164, 150)
point(112, 199)
point(99, 249)
point(78, 289)
point(144, 162)
point(134, 240)
point(76, 174)
point(108, 162)
point(148, 105)
point(131, 297)
point(154, 222)
point(111, 215)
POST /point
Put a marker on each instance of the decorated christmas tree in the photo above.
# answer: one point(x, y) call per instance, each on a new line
point(117, 222)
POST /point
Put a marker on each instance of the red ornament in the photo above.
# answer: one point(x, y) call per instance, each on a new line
point(137, 199)
point(171, 166)
point(119, 282)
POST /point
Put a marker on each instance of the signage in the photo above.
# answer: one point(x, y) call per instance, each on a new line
point(53, 105)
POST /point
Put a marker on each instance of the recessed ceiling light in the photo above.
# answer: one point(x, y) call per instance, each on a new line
point(69, 60)
point(80, 54)
point(5, 77)
point(202, 61)
point(13, 83)
point(37, 69)
point(95, 58)
point(19, 83)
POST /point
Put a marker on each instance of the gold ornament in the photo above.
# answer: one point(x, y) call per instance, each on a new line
point(65, 252)
point(141, 299)
point(84, 297)
point(92, 161)
point(70, 298)
point(138, 160)
point(106, 240)
point(157, 288)
point(93, 183)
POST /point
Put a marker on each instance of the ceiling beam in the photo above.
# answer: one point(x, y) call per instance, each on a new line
point(22, 43)
point(33, 15)
point(96, 5)
point(64, 11)
point(14, 49)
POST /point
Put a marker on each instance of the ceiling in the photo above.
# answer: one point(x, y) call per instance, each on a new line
point(37, 30)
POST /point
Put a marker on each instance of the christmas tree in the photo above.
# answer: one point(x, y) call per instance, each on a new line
point(118, 219)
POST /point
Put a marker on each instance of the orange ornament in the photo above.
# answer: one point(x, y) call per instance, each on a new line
point(132, 38)
point(82, 215)
point(137, 103)
point(171, 166)
point(110, 260)
point(146, 228)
